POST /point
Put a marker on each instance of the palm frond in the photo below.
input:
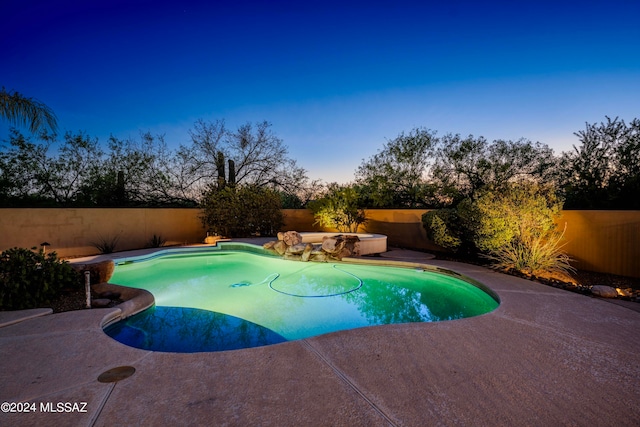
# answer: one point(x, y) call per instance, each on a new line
point(28, 112)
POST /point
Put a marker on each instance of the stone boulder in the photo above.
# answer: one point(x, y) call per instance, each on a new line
point(100, 272)
point(280, 247)
point(341, 246)
point(332, 245)
point(211, 240)
point(319, 257)
point(291, 238)
point(604, 291)
point(296, 249)
point(351, 246)
point(306, 254)
point(291, 257)
point(289, 245)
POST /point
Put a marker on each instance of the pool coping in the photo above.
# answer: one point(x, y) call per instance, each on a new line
point(141, 299)
point(544, 357)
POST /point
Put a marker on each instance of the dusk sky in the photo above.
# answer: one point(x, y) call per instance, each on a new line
point(335, 79)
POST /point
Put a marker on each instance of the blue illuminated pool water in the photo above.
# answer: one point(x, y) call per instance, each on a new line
point(226, 300)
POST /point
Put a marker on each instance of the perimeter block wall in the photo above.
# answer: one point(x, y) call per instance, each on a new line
point(602, 241)
point(72, 232)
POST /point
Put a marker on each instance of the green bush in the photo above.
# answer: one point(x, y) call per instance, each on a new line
point(31, 279)
point(439, 225)
point(242, 211)
point(518, 211)
point(514, 226)
point(339, 208)
point(453, 228)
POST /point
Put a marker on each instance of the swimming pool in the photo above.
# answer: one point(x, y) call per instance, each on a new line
point(230, 299)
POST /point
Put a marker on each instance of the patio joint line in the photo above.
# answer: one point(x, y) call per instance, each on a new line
point(346, 380)
point(96, 414)
point(560, 332)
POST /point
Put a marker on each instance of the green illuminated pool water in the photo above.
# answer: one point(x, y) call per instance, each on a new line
point(259, 295)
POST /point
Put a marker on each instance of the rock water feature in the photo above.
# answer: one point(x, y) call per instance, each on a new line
point(333, 248)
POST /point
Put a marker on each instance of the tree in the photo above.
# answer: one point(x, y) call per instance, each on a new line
point(259, 157)
point(625, 182)
point(466, 165)
point(29, 112)
point(80, 173)
point(397, 175)
point(140, 172)
point(78, 159)
point(604, 171)
point(26, 168)
point(516, 229)
point(199, 159)
point(144, 171)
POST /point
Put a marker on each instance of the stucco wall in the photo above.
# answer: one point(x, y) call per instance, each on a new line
point(403, 227)
point(71, 232)
point(299, 220)
point(603, 241)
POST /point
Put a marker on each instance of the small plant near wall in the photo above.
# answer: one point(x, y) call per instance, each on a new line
point(106, 244)
point(339, 208)
point(30, 279)
point(157, 241)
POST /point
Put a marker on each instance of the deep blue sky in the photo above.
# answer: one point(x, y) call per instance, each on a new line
point(336, 79)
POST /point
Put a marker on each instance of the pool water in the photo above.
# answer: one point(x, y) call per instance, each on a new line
point(227, 300)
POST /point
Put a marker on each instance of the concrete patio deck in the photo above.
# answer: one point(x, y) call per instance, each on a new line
point(545, 357)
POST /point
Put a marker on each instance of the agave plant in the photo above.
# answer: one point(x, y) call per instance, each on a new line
point(106, 244)
point(157, 241)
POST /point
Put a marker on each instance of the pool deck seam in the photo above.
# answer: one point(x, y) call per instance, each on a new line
point(96, 415)
point(345, 379)
point(554, 331)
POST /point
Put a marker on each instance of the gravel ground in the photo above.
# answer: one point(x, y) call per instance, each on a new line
point(589, 278)
point(73, 300)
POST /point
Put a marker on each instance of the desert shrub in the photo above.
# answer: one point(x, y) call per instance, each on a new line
point(537, 255)
point(339, 208)
point(30, 279)
point(523, 211)
point(453, 228)
point(242, 211)
point(513, 226)
point(439, 225)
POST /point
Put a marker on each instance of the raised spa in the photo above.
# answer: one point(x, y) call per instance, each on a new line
point(230, 299)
